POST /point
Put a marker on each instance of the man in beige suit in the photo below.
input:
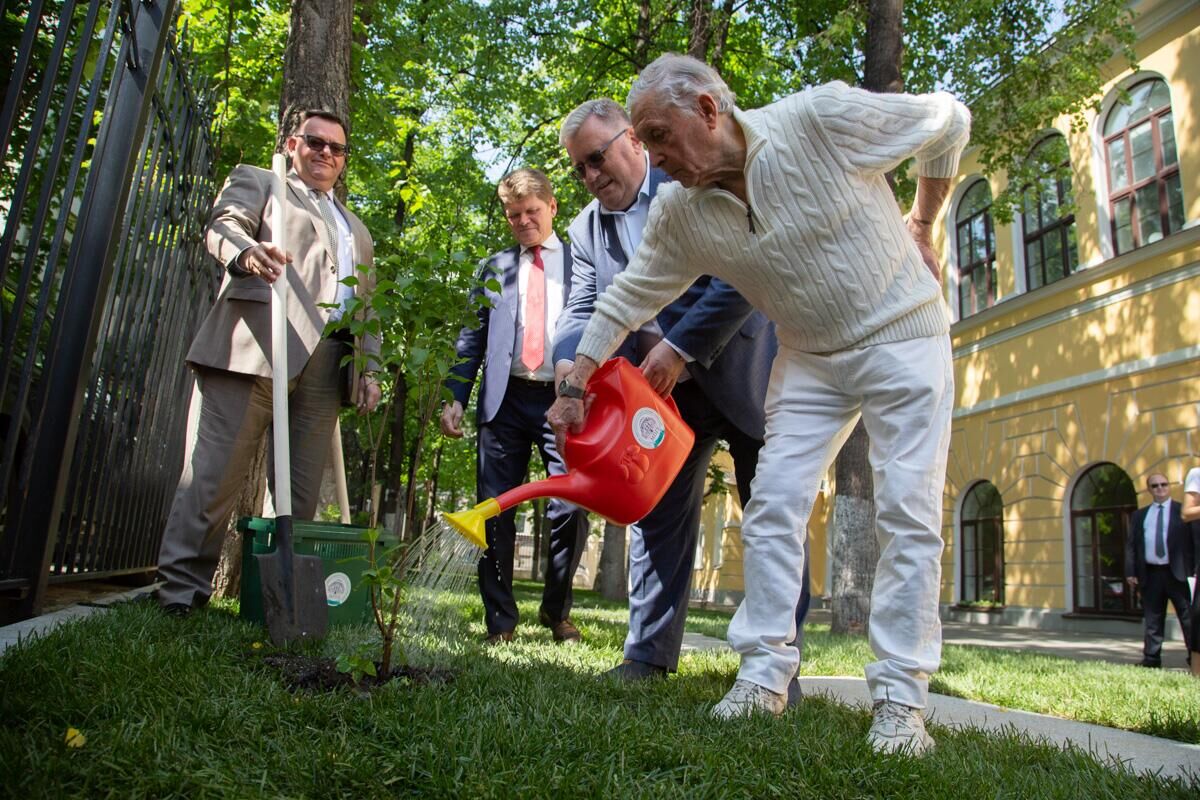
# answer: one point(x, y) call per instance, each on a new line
point(231, 405)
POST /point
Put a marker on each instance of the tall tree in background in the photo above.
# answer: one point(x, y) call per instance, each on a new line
point(854, 545)
point(316, 64)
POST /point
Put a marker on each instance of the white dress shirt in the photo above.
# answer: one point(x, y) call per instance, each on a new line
point(345, 255)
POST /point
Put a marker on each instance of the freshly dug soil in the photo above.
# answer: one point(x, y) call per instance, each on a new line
point(308, 673)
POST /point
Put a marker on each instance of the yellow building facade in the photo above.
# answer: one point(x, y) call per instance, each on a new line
point(1076, 337)
point(1076, 340)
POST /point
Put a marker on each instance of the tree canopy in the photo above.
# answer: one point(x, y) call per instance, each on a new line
point(447, 96)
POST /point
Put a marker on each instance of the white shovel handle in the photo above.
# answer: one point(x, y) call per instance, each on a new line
point(279, 332)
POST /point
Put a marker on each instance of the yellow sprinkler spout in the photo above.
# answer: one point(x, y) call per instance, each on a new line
point(470, 522)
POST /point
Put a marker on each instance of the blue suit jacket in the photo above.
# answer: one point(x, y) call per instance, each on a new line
point(493, 342)
point(733, 345)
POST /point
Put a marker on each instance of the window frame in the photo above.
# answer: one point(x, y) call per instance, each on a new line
point(1123, 515)
point(996, 568)
point(988, 265)
point(1159, 178)
point(1062, 226)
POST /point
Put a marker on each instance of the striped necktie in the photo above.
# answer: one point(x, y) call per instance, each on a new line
point(331, 237)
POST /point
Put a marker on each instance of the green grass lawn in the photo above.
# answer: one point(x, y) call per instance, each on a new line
point(185, 708)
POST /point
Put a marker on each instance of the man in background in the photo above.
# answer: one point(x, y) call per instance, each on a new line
point(513, 344)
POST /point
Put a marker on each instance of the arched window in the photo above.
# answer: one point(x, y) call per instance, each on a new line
point(1049, 220)
point(1144, 191)
point(1101, 506)
point(982, 537)
point(976, 250)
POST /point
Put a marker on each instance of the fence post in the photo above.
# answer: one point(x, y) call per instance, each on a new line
point(43, 479)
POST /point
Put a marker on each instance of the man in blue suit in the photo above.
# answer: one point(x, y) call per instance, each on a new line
point(710, 350)
point(513, 344)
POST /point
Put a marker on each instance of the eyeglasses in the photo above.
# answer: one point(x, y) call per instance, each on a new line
point(595, 158)
point(1159, 485)
point(317, 143)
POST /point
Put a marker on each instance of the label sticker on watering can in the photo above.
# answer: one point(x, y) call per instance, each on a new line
point(337, 588)
point(648, 428)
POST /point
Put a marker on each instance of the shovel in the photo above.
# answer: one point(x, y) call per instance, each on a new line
point(293, 586)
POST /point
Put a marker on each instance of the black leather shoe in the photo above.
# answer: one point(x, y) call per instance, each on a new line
point(177, 609)
point(1150, 664)
point(498, 638)
point(629, 671)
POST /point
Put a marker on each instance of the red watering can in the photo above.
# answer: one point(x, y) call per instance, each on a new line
point(619, 466)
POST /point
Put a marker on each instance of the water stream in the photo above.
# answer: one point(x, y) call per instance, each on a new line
point(437, 569)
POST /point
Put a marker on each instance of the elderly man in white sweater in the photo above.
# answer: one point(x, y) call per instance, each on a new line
point(790, 204)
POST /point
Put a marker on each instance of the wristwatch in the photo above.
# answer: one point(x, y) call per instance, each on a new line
point(569, 390)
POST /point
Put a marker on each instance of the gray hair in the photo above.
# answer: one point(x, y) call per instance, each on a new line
point(679, 80)
point(603, 109)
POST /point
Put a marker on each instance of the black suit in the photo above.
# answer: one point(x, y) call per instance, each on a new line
point(1158, 583)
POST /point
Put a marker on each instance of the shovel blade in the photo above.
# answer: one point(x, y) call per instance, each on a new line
point(294, 602)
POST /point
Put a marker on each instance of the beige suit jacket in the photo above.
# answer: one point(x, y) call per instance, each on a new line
point(236, 335)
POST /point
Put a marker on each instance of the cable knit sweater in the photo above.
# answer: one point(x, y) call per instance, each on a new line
point(822, 248)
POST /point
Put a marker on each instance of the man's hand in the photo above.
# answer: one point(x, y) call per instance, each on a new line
point(1132, 581)
point(561, 370)
point(452, 414)
point(921, 231)
point(264, 260)
point(568, 413)
point(662, 367)
point(369, 393)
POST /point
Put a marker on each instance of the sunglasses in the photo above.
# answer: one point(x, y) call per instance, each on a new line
point(1159, 485)
point(595, 158)
point(317, 143)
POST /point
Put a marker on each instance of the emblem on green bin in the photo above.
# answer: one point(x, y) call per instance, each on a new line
point(337, 588)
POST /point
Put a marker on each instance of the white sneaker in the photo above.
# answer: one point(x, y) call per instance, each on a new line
point(898, 728)
point(746, 698)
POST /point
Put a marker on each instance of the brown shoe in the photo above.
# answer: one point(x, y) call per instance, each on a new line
point(565, 632)
point(498, 638)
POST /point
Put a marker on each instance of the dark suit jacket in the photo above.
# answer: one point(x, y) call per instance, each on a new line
point(491, 345)
point(733, 345)
point(1180, 548)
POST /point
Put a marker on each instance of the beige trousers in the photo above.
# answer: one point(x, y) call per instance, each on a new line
point(228, 415)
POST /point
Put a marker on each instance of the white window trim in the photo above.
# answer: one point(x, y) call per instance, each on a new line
point(951, 235)
point(1108, 247)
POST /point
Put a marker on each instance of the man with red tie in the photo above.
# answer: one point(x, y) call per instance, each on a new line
point(512, 343)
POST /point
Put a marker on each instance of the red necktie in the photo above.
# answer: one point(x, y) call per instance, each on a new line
point(535, 313)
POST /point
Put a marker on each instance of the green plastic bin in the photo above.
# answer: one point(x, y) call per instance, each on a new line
point(343, 553)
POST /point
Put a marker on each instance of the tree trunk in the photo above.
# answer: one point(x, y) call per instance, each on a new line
point(316, 65)
point(721, 34)
point(854, 544)
point(641, 50)
point(612, 577)
point(701, 32)
point(855, 547)
point(395, 462)
point(227, 582)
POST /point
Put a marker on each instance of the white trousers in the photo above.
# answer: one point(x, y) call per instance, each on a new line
point(905, 394)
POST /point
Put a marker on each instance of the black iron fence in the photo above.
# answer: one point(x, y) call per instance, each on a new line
point(105, 179)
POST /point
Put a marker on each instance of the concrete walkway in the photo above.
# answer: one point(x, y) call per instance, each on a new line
point(1141, 753)
point(1137, 751)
